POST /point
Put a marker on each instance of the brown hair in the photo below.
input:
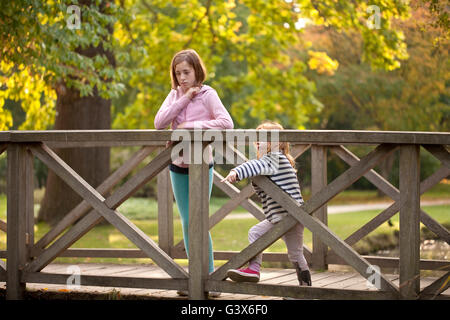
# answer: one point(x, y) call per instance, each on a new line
point(282, 146)
point(191, 57)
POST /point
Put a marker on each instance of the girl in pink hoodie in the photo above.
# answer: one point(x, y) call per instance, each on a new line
point(190, 105)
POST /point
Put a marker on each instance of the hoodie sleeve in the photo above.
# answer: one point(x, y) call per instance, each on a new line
point(221, 117)
point(170, 109)
point(266, 166)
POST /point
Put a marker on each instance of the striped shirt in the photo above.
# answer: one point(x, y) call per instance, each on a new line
point(277, 166)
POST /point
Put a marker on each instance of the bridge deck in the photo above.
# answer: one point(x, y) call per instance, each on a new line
point(328, 279)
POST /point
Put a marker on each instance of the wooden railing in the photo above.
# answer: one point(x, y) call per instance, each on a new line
point(26, 258)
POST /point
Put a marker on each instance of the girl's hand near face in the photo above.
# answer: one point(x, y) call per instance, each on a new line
point(192, 92)
point(231, 177)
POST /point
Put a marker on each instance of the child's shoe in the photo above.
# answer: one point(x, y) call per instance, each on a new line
point(304, 276)
point(243, 275)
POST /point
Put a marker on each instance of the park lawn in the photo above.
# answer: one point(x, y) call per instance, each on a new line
point(228, 235)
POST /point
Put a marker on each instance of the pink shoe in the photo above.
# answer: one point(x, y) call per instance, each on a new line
point(243, 275)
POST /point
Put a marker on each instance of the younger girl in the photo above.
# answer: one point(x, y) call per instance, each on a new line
point(190, 105)
point(276, 163)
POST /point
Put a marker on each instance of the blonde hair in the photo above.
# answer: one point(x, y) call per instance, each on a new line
point(191, 57)
point(282, 146)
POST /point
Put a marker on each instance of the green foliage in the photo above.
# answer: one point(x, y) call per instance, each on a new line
point(412, 98)
point(254, 51)
point(248, 48)
point(40, 51)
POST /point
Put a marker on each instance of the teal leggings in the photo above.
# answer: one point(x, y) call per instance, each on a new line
point(180, 187)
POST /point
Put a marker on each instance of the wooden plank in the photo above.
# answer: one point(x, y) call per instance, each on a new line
point(393, 262)
point(294, 136)
point(350, 176)
point(87, 223)
point(91, 144)
point(386, 214)
point(108, 281)
point(379, 181)
point(440, 152)
point(318, 182)
point(81, 209)
point(409, 239)
point(233, 192)
point(165, 211)
point(437, 287)
point(103, 206)
point(297, 291)
point(435, 226)
point(301, 214)
point(19, 208)
point(198, 225)
point(3, 226)
point(228, 207)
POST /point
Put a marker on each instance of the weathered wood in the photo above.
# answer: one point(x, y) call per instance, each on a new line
point(228, 207)
point(435, 226)
point(389, 212)
point(92, 218)
point(108, 281)
point(300, 213)
point(233, 192)
point(409, 221)
point(294, 136)
point(392, 262)
point(350, 176)
point(165, 211)
point(441, 153)
point(92, 144)
point(102, 206)
point(198, 225)
point(318, 182)
point(297, 291)
point(19, 213)
point(104, 188)
point(377, 180)
point(437, 287)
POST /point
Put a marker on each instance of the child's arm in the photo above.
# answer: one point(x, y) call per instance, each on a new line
point(267, 165)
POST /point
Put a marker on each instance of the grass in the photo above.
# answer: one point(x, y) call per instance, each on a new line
point(228, 235)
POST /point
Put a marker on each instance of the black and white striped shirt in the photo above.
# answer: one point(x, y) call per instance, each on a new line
point(278, 167)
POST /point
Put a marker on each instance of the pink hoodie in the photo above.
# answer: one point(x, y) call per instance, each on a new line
point(204, 111)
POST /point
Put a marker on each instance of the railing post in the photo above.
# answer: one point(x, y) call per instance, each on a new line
point(409, 221)
point(165, 211)
point(198, 222)
point(318, 182)
point(20, 216)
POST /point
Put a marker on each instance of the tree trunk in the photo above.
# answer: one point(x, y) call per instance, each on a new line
point(92, 164)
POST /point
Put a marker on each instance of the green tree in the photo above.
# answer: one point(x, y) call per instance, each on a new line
point(57, 60)
point(248, 49)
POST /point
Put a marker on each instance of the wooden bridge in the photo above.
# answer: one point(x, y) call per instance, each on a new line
point(29, 261)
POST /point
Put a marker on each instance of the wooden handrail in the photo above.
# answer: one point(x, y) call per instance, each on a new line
point(26, 259)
